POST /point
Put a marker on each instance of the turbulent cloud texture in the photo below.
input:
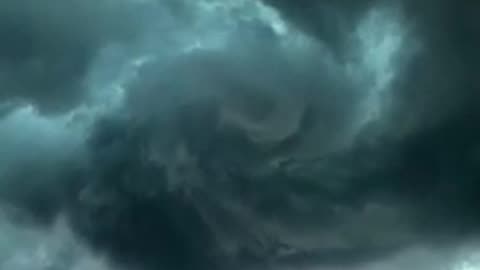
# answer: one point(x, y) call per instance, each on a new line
point(244, 134)
point(47, 48)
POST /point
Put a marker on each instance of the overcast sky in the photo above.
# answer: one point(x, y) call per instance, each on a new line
point(239, 134)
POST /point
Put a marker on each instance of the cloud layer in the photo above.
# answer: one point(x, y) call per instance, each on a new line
point(241, 134)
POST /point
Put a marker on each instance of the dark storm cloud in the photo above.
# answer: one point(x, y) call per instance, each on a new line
point(331, 21)
point(47, 48)
point(200, 133)
point(188, 123)
point(39, 161)
point(430, 126)
point(441, 79)
point(254, 151)
point(397, 190)
point(427, 158)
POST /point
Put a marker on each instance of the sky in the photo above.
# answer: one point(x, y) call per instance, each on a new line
point(239, 135)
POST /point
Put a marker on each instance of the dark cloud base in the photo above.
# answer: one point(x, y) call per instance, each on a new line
point(47, 49)
point(196, 171)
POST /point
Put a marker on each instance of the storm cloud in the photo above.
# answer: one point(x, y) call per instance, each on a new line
point(47, 48)
point(240, 134)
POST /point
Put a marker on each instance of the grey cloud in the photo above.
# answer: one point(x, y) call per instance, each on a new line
point(197, 126)
point(438, 82)
point(25, 245)
point(38, 162)
point(47, 48)
point(250, 150)
point(330, 21)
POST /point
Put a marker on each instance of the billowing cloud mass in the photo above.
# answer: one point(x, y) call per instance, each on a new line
point(47, 48)
point(239, 134)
